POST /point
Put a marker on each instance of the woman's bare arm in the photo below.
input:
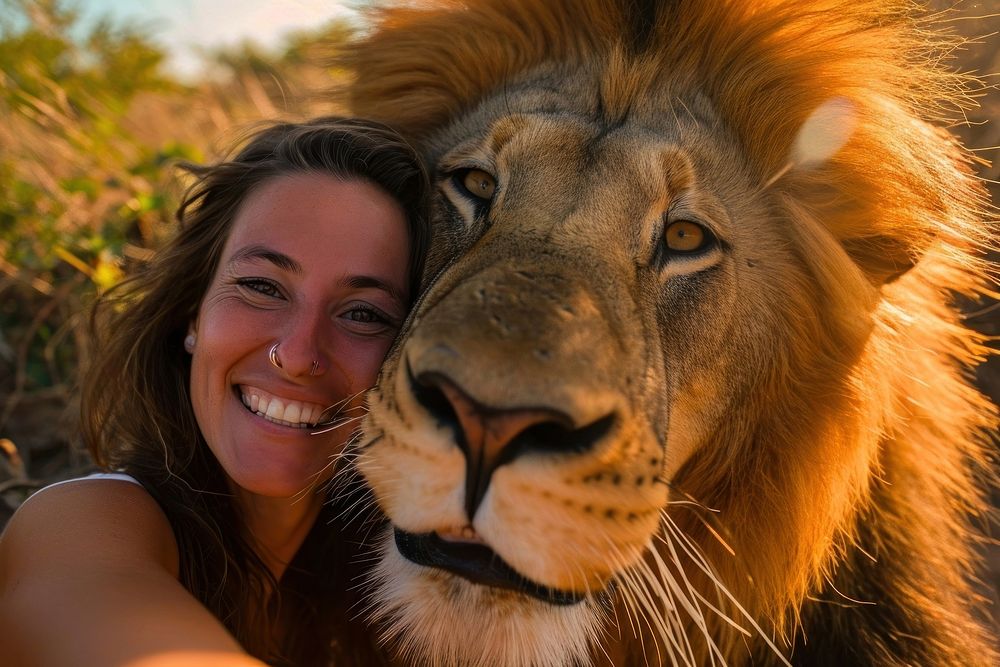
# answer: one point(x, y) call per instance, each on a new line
point(88, 576)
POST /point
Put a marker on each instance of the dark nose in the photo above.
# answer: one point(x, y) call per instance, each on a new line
point(491, 437)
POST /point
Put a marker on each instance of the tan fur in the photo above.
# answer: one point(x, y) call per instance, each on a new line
point(845, 434)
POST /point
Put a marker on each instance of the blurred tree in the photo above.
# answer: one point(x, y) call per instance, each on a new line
point(75, 187)
point(45, 51)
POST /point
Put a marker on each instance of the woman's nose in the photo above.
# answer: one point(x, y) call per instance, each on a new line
point(302, 348)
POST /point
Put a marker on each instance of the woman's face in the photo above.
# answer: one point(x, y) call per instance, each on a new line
point(319, 266)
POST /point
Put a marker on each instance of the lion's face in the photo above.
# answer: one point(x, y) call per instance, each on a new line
point(686, 375)
point(608, 293)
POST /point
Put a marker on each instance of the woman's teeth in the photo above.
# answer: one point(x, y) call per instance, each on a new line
point(281, 410)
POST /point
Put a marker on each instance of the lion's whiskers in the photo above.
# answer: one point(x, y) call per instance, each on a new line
point(356, 508)
point(337, 407)
point(660, 595)
point(634, 592)
point(314, 479)
point(687, 596)
point(334, 425)
point(669, 626)
point(693, 551)
point(640, 604)
point(332, 462)
point(699, 561)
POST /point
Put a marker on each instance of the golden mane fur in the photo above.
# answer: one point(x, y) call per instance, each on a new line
point(892, 228)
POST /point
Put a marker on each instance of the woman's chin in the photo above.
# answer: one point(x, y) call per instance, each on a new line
point(297, 482)
point(281, 462)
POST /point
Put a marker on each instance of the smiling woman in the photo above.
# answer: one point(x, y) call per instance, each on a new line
point(310, 293)
point(229, 375)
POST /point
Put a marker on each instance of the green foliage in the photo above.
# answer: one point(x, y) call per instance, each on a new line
point(42, 61)
point(76, 187)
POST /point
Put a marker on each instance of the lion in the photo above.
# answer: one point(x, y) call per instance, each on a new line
point(687, 383)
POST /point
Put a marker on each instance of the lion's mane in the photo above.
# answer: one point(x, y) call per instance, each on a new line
point(847, 482)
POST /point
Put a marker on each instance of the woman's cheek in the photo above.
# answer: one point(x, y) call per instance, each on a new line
point(359, 362)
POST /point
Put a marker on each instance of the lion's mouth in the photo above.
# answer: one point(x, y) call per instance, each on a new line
point(477, 563)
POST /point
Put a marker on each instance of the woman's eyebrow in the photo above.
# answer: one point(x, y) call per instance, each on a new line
point(281, 260)
point(258, 252)
point(361, 282)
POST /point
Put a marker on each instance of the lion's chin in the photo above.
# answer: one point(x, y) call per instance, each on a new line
point(430, 615)
point(478, 564)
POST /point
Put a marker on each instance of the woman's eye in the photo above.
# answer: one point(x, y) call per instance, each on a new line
point(687, 237)
point(261, 286)
point(477, 183)
point(359, 315)
point(368, 316)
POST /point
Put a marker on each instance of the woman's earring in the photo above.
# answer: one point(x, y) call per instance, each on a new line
point(189, 343)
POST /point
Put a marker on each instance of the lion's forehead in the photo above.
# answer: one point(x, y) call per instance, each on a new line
point(560, 127)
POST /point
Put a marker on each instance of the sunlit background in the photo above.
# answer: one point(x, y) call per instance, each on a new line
point(190, 29)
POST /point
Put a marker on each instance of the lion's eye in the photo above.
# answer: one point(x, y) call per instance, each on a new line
point(479, 184)
point(685, 236)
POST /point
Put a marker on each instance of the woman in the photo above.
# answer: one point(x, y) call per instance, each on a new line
point(228, 377)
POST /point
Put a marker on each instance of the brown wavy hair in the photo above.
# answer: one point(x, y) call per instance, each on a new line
point(136, 406)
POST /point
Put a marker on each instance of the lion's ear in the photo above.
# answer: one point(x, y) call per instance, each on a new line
point(822, 135)
point(888, 186)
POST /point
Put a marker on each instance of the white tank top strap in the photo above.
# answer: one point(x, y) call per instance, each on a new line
point(125, 477)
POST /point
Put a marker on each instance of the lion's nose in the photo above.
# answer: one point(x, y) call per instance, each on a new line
point(491, 437)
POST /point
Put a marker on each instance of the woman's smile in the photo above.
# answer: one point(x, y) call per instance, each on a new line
point(281, 410)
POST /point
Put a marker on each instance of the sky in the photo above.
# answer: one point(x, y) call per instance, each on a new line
point(186, 26)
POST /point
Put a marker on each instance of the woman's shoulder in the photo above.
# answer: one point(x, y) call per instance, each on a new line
point(103, 516)
point(88, 575)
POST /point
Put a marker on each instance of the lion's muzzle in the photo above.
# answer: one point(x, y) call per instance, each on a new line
point(490, 437)
point(504, 411)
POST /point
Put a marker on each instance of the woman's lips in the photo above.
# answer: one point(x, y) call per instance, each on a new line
point(281, 410)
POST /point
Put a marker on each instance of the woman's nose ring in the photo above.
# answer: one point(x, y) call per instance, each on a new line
point(272, 356)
